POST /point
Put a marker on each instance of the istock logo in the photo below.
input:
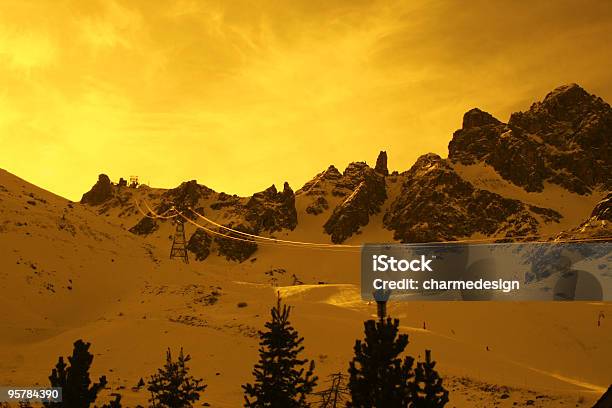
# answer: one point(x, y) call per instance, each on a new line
point(384, 263)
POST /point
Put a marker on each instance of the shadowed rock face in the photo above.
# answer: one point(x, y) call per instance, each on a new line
point(603, 209)
point(185, 196)
point(317, 189)
point(200, 244)
point(319, 205)
point(313, 187)
point(100, 192)
point(475, 118)
point(266, 211)
point(271, 210)
point(236, 250)
point(145, 226)
point(436, 204)
point(365, 193)
point(599, 224)
point(564, 139)
point(381, 164)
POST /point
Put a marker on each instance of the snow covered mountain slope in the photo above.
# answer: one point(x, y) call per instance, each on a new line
point(100, 271)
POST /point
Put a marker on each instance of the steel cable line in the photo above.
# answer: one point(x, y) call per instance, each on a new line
point(331, 247)
point(475, 240)
point(165, 212)
point(339, 247)
point(155, 215)
point(292, 244)
point(321, 244)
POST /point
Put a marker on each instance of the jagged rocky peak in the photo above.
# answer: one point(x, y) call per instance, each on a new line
point(271, 210)
point(186, 195)
point(365, 192)
point(565, 139)
point(568, 107)
point(314, 186)
point(332, 173)
point(427, 163)
point(272, 194)
point(569, 94)
point(436, 204)
point(353, 175)
point(477, 118)
point(381, 164)
point(101, 191)
point(354, 212)
point(355, 169)
point(478, 136)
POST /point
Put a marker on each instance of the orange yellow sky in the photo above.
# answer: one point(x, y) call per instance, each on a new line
point(240, 95)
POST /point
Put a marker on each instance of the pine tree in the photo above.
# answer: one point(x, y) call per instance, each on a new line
point(378, 376)
point(427, 389)
point(280, 376)
point(77, 389)
point(172, 386)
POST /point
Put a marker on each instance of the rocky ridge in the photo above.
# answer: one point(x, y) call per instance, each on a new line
point(436, 204)
point(365, 192)
point(563, 140)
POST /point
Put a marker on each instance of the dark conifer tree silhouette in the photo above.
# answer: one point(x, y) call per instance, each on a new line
point(281, 379)
point(378, 376)
point(428, 391)
point(77, 389)
point(172, 386)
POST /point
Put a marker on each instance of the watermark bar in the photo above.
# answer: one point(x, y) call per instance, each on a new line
point(535, 271)
point(30, 394)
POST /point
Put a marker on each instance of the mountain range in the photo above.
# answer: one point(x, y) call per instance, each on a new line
point(100, 270)
point(541, 175)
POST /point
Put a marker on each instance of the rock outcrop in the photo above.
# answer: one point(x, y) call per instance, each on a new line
point(381, 164)
point(564, 139)
point(225, 200)
point(316, 186)
point(436, 204)
point(603, 210)
point(271, 210)
point(236, 249)
point(318, 206)
point(101, 192)
point(200, 244)
point(598, 225)
point(186, 195)
point(365, 192)
point(318, 189)
point(145, 226)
